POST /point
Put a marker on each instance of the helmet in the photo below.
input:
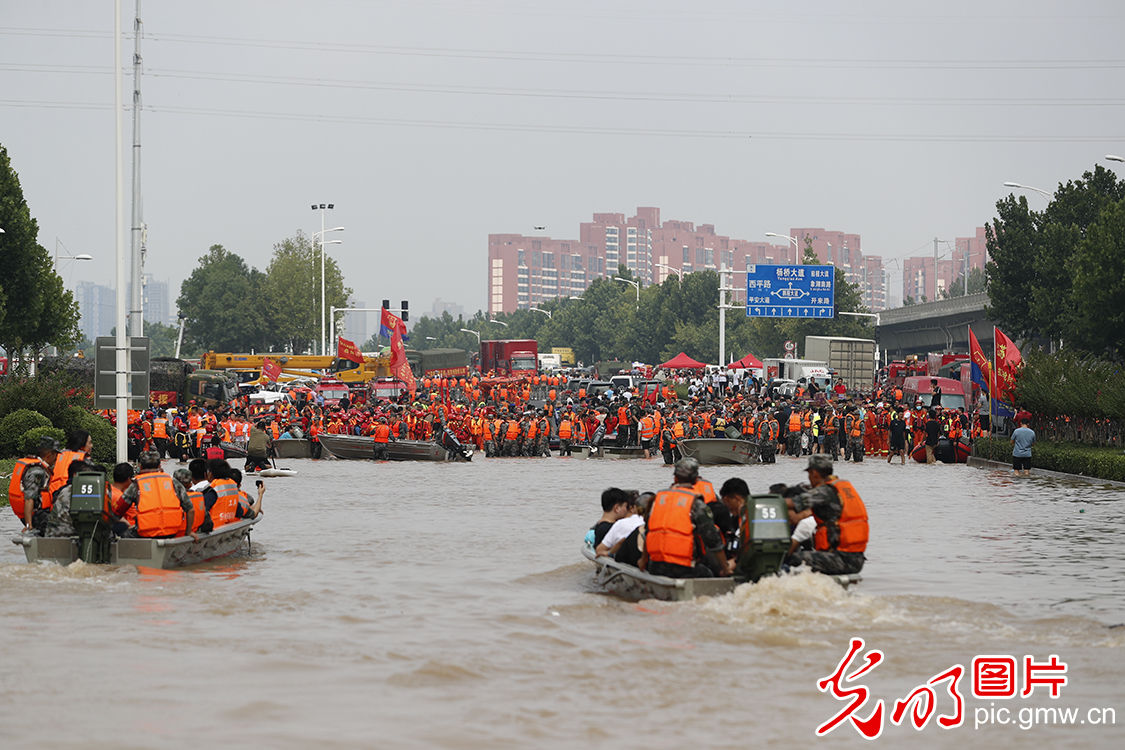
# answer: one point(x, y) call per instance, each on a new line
point(687, 468)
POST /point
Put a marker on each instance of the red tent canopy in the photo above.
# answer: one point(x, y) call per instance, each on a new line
point(683, 362)
point(749, 362)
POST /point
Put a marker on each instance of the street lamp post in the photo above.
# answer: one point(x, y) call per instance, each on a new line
point(475, 333)
point(322, 207)
point(678, 271)
point(1027, 187)
point(633, 284)
point(796, 244)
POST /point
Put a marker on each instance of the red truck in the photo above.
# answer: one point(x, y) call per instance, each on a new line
point(513, 357)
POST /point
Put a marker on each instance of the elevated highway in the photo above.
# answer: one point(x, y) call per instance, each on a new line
point(935, 326)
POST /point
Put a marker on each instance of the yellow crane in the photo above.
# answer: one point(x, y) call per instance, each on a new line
point(297, 365)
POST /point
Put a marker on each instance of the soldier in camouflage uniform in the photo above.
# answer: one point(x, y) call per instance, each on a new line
point(36, 478)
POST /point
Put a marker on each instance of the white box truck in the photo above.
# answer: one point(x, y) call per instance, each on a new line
point(853, 360)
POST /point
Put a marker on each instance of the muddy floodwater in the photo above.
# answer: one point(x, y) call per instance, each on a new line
point(418, 605)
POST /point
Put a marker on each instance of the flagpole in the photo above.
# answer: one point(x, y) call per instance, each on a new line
point(992, 386)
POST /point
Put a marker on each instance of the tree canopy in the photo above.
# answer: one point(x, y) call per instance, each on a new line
point(232, 307)
point(1059, 273)
point(35, 308)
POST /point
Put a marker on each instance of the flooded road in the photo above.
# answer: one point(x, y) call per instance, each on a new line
point(425, 605)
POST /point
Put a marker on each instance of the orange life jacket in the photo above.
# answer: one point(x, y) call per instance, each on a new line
point(513, 431)
point(678, 429)
point(199, 509)
point(158, 508)
point(857, 427)
point(806, 421)
point(622, 415)
point(830, 424)
point(15, 487)
point(773, 429)
point(565, 430)
point(60, 474)
point(648, 428)
point(579, 431)
point(670, 536)
point(532, 429)
point(795, 422)
point(225, 509)
point(853, 521)
point(160, 427)
point(705, 488)
point(382, 433)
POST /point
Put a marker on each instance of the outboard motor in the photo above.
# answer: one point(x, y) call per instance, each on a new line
point(599, 434)
point(87, 501)
point(456, 450)
point(765, 537)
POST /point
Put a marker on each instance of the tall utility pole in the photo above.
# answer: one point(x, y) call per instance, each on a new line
point(121, 342)
point(724, 305)
point(136, 311)
point(933, 297)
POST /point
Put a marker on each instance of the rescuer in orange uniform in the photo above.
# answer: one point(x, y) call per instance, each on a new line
point(682, 540)
point(382, 435)
point(28, 495)
point(163, 508)
point(841, 521)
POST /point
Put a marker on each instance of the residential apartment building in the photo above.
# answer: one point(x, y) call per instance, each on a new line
point(524, 271)
point(919, 278)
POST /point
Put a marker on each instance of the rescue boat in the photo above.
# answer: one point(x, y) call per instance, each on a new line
point(633, 584)
point(712, 451)
point(363, 446)
point(164, 554)
point(946, 451)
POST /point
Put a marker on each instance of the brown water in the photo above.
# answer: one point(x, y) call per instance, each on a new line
point(432, 605)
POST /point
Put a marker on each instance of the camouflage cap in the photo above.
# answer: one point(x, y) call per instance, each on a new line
point(45, 444)
point(820, 463)
point(688, 468)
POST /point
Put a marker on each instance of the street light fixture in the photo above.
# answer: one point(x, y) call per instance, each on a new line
point(678, 271)
point(1109, 157)
point(1027, 187)
point(633, 284)
point(499, 323)
point(538, 310)
point(475, 333)
point(322, 207)
point(431, 338)
point(796, 244)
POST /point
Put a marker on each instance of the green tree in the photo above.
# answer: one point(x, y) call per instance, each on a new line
point(35, 309)
point(221, 303)
point(1098, 294)
point(292, 294)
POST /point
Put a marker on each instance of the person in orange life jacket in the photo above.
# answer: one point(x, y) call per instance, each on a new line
point(29, 495)
point(227, 508)
point(163, 508)
point(381, 436)
point(122, 477)
point(199, 483)
point(768, 430)
point(160, 433)
point(78, 447)
point(681, 540)
point(201, 521)
point(841, 521)
point(247, 507)
point(214, 450)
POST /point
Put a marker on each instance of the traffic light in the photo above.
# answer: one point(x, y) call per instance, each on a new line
point(386, 304)
point(405, 311)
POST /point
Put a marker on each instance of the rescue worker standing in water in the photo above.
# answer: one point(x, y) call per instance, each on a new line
point(28, 495)
point(841, 521)
point(682, 540)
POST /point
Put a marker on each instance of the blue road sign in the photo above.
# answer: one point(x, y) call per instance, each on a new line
point(790, 291)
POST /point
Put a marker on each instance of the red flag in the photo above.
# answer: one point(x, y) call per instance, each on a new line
point(271, 370)
point(389, 323)
point(1008, 362)
point(400, 368)
point(981, 368)
point(348, 350)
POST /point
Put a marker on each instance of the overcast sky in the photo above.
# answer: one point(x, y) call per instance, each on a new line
point(431, 124)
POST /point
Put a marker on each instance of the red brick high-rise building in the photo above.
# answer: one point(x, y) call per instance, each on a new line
point(524, 271)
point(918, 277)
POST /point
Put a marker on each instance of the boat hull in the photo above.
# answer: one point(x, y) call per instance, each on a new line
point(356, 447)
point(612, 451)
point(149, 553)
point(634, 585)
point(718, 451)
point(292, 448)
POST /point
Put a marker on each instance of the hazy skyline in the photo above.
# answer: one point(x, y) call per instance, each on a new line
point(432, 124)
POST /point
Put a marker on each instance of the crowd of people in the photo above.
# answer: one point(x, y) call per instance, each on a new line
point(691, 531)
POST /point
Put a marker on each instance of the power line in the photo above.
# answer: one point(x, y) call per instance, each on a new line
point(578, 129)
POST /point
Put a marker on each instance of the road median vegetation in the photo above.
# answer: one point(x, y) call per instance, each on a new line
point(1070, 458)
